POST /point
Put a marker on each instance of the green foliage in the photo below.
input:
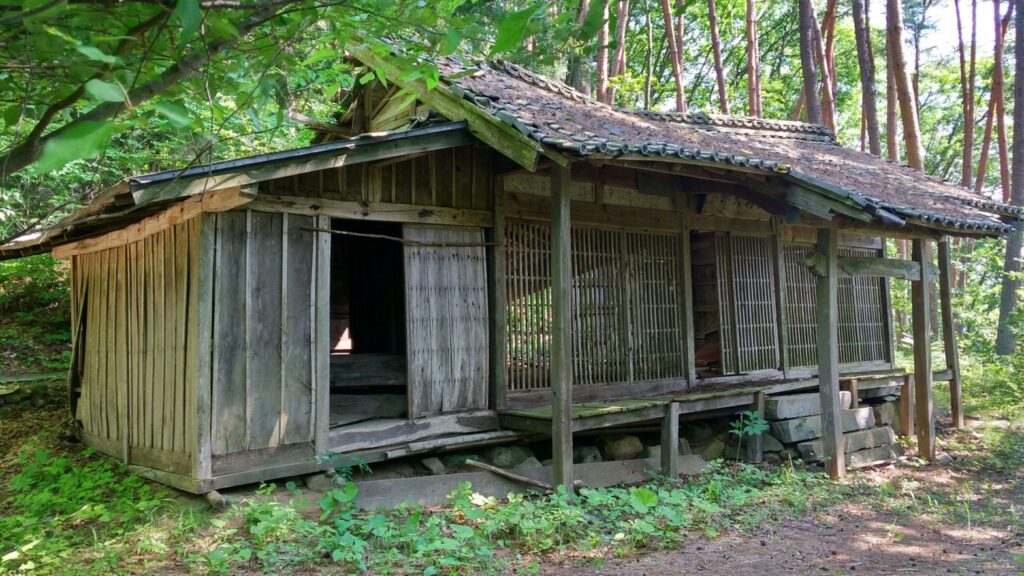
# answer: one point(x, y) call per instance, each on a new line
point(57, 503)
point(748, 424)
point(31, 284)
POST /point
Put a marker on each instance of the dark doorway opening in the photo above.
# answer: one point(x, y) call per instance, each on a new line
point(368, 337)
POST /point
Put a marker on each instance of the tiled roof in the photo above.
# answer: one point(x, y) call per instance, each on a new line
point(574, 124)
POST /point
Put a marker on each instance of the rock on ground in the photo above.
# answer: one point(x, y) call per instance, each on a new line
point(620, 447)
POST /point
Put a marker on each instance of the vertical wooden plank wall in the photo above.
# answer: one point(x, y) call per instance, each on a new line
point(446, 324)
point(262, 367)
point(135, 349)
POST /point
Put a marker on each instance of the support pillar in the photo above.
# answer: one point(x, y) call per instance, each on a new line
point(561, 329)
point(827, 312)
point(949, 333)
point(924, 407)
point(670, 441)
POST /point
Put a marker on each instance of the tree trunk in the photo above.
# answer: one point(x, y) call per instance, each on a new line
point(716, 46)
point(828, 109)
point(673, 54)
point(828, 28)
point(904, 90)
point(1005, 338)
point(798, 109)
point(575, 76)
point(680, 26)
point(986, 138)
point(1000, 99)
point(602, 54)
point(649, 59)
point(753, 63)
point(892, 119)
point(810, 72)
point(618, 67)
point(966, 158)
point(866, 60)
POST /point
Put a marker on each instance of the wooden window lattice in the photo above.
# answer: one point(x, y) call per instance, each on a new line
point(862, 315)
point(747, 293)
point(626, 316)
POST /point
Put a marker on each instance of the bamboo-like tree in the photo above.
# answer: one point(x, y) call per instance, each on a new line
point(966, 101)
point(602, 54)
point(1005, 338)
point(828, 108)
point(1000, 99)
point(904, 89)
point(716, 49)
point(618, 65)
point(990, 114)
point(866, 61)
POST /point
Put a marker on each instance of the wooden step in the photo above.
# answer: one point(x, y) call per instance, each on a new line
point(855, 441)
point(799, 405)
point(809, 427)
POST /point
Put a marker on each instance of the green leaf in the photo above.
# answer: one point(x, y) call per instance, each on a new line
point(190, 17)
point(175, 113)
point(642, 499)
point(592, 23)
point(47, 8)
point(94, 53)
point(512, 30)
point(83, 139)
point(104, 91)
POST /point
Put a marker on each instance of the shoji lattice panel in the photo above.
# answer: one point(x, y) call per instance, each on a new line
point(862, 316)
point(747, 291)
point(626, 312)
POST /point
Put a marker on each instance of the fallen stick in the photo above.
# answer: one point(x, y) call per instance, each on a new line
point(516, 477)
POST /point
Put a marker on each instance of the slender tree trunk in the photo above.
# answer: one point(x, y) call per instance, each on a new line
point(673, 54)
point(618, 67)
point(716, 47)
point(828, 28)
point(990, 115)
point(575, 76)
point(810, 72)
point(1005, 338)
point(680, 27)
point(904, 90)
point(892, 118)
point(966, 159)
point(828, 109)
point(916, 76)
point(753, 63)
point(1000, 99)
point(869, 109)
point(649, 59)
point(602, 54)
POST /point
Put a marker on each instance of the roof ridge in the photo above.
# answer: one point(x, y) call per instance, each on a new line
point(817, 132)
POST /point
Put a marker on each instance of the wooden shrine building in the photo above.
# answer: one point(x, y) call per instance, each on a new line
point(501, 256)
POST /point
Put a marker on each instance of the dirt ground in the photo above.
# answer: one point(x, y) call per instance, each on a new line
point(859, 539)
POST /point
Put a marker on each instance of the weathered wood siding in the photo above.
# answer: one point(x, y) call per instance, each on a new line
point(262, 357)
point(450, 178)
point(446, 310)
point(135, 353)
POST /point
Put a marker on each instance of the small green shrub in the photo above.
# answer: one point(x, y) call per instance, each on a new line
point(33, 283)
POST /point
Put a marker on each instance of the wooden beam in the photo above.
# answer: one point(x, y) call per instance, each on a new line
point(321, 352)
point(850, 266)
point(949, 333)
point(561, 329)
point(217, 201)
point(907, 406)
point(686, 308)
point(498, 135)
point(499, 303)
point(781, 297)
point(374, 211)
point(920, 306)
point(670, 441)
point(755, 444)
point(827, 313)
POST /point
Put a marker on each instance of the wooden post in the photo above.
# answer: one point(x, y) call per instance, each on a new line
point(670, 441)
point(827, 311)
point(322, 335)
point(781, 297)
point(907, 406)
point(924, 407)
point(499, 302)
point(755, 444)
point(686, 307)
point(850, 385)
point(890, 332)
point(561, 329)
point(949, 333)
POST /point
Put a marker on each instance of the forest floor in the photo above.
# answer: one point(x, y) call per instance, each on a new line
point(64, 511)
